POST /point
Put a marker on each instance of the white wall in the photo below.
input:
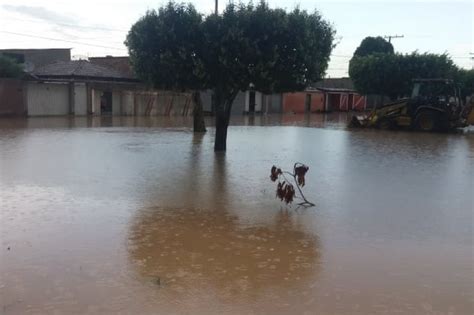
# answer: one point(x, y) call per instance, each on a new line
point(116, 103)
point(80, 99)
point(127, 103)
point(47, 99)
point(258, 101)
point(96, 94)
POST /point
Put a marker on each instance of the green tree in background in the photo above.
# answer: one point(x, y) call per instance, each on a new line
point(271, 49)
point(392, 74)
point(465, 79)
point(9, 68)
point(371, 45)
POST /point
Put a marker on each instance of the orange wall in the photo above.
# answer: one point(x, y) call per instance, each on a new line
point(317, 102)
point(296, 102)
point(359, 102)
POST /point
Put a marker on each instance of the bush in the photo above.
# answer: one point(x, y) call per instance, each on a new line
point(9, 68)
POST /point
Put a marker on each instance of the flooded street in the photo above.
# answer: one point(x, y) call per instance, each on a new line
point(139, 216)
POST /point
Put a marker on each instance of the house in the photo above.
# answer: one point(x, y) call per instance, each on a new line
point(121, 64)
point(35, 58)
point(325, 96)
point(247, 102)
point(56, 85)
point(80, 87)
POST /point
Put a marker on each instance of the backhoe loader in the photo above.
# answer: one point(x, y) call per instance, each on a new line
point(435, 105)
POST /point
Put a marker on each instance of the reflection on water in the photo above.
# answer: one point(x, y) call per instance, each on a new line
point(193, 249)
point(95, 210)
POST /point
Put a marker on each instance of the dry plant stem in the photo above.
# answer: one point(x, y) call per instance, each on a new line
point(306, 203)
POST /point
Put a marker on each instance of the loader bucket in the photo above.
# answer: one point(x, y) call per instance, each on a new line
point(357, 122)
point(470, 117)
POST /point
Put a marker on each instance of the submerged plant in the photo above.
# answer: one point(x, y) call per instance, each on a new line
point(285, 189)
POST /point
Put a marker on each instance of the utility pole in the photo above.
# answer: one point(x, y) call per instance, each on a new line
point(216, 10)
point(391, 36)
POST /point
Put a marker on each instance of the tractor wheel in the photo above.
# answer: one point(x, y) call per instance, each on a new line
point(427, 121)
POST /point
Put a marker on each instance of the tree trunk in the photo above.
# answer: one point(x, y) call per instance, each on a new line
point(222, 123)
point(223, 101)
point(198, 113)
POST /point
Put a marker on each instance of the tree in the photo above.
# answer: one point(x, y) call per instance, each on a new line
point(9, 68)
point(274, 50)
point(371, 45)
point(392, 74)
point(465, 79)
point(163, 50)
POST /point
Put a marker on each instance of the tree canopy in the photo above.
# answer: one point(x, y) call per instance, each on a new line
point(9, 68)
point(271, 49)
point(465, 79)
point(392, 74)
point(164, 47)
point(371, 45)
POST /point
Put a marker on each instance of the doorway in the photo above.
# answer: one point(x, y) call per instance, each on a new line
point(251, 101)
point(106, 103)
point(307, 105)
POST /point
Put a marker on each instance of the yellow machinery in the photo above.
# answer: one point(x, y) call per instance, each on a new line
point(435, 104)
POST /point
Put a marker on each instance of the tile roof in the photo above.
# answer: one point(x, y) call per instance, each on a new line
point(79, 68)
point(334, 83)
point(121, 64)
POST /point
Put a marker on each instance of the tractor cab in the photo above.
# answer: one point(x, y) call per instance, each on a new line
point(437, 92)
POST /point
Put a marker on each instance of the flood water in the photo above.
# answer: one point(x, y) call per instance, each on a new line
point(140, 216)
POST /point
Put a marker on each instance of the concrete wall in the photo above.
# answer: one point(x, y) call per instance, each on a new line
point(85, 99)
point(156, 103)
point(323, 101)
point(12, 97)
point(95, 99)
point(272, 103)
point(296, 102)
point(206, 98)
point(46, 99)
point(116, 102)
point(127, 103)
point(258, 101)
point(240, 103)
point(80, 99)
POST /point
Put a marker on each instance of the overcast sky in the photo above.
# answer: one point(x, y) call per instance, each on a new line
point(99, 27)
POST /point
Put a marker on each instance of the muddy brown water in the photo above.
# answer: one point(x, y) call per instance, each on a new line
point(139, 216)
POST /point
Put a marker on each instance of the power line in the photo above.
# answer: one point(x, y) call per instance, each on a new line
point(62, 40)
point(393, 36)
point(71, 25)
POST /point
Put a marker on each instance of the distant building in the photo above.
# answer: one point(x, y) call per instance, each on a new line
point(247, 102)
point(84, 88)
point(35, 58)
point(56, 85)
point(325, 96)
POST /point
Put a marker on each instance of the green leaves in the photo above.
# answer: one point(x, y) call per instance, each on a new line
point(275, 50)
point(373, 45)
point(392, 74)
point(164, 44)
point(9, 68)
